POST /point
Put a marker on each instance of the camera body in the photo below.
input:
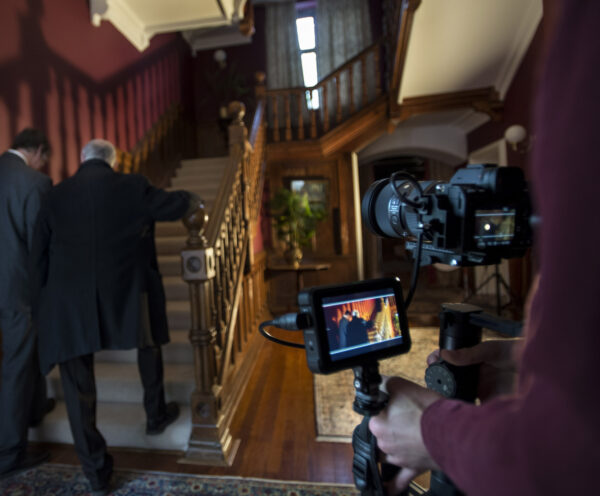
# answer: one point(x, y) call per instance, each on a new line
point(354, 324)
point(480, 216)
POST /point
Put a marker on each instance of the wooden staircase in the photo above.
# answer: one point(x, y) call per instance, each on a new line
point(121, 417)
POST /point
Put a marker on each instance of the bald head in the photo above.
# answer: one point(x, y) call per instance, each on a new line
point(99, 149)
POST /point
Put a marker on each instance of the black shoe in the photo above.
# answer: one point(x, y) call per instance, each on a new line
point(172, 412)
point(30, 460)
point(50, 404)
point(103, 490)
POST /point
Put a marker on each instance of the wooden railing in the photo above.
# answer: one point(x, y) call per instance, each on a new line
point(159, 152)
point(227, 292)
point(343, 93)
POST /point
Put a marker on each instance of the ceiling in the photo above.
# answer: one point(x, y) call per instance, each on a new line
point(139, 20)
point(454, 45)
point(457, 46)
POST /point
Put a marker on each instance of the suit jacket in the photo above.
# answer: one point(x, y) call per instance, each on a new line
point(21, 191)
point(94, 262)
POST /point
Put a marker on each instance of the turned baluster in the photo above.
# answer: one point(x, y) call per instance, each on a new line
point(300, 116)
point(363, 68)
point(288, 117)
point(351, 87)
point(338, 110)
point(313, 121)
point(275, 118)
point(377, 72)
point(325, 109)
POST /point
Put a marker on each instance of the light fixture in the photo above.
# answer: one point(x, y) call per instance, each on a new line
point(516, 136)
point(220, 58)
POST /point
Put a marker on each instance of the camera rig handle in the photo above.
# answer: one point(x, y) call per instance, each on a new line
point(460, 327)
point(369, 400)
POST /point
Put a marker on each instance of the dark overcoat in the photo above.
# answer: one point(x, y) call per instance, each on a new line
point(95, 262)
point(21, 193)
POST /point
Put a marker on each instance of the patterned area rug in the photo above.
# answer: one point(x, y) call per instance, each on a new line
point(68, 480)
point(334, 393)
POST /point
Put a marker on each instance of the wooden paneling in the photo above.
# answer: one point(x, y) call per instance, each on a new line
point(334, 242)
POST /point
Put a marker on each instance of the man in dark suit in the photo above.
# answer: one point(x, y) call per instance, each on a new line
point(22, 388)
point(94, 252)
point(357, 332)
point(344, 322)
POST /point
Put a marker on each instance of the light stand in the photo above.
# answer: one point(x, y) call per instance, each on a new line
point(500, 282)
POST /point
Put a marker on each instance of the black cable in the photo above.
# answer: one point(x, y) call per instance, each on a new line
point(289, 322)
point(408, 177)
point(415, 273)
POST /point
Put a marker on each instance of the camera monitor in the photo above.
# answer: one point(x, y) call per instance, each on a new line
point(354, 324)
point(494, 227)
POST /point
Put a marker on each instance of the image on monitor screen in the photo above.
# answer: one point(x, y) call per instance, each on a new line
point(361, 322)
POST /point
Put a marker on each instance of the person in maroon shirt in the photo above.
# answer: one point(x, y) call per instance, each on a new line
point(542, 439)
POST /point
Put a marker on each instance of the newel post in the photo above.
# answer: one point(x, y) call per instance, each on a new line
point(210, 442)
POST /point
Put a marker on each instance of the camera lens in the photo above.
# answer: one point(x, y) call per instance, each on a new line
point(385, 214)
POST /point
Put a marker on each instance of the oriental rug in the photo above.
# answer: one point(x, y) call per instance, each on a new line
point(53, 479)
point(334, 393)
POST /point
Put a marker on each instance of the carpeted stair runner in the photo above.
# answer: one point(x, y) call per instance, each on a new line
point(121, 417)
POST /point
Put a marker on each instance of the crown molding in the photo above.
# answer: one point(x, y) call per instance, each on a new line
point(137, 26)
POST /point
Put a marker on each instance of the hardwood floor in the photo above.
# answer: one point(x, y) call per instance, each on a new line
point(275, 423)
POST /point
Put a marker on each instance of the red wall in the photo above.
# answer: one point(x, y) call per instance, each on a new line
point(77, 82)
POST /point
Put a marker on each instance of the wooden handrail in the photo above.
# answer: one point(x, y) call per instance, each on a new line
point(223, 286)
point(158, 153)
point(374, 47)
point(285, 102)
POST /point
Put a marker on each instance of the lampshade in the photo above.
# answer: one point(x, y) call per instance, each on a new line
point(515, 134)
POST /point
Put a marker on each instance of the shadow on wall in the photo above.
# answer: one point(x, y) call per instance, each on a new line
point(46, 90)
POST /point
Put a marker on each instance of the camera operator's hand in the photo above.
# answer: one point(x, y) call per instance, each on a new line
point(398, 430)
point(498, 358)
point(498, 364)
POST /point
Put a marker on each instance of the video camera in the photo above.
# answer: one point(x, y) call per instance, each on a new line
point(480, 216)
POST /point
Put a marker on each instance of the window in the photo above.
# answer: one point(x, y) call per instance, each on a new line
point(305, 27)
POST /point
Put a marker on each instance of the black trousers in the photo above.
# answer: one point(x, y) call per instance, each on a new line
point(79, 387)
point(22, 386)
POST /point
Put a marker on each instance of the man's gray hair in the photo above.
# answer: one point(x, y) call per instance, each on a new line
point(100, 149)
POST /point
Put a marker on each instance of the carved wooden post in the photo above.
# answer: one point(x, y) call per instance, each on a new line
point(210, 440)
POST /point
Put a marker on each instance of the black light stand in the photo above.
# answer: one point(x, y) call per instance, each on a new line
point(500, 282)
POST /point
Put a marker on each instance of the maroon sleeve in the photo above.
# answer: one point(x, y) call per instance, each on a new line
point(545, 439)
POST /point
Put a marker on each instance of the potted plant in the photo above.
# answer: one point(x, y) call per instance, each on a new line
point(295, 222)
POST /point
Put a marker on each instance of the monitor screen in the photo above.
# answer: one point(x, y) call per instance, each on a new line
point(361, 322)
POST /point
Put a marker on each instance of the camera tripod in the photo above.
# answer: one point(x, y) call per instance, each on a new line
point(460, 327)
point(500, 283)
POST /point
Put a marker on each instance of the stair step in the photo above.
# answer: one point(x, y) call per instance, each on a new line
point(199, 183)
point(210, 173)
point(169, 265)
point(170, 245)
point(121, 383)
point(211, 162)
point(179, 314)
point(121, 424)
point(178, 350)
point(170, 229)
point(176, 288)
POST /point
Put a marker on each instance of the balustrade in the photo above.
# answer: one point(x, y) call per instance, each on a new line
point(226, 291)
point(352, 87)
